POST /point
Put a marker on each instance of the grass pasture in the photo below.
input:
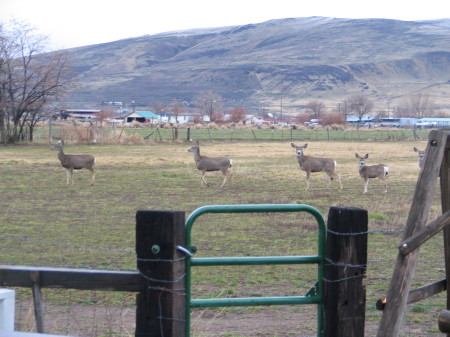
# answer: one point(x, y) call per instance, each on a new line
point(43, 222)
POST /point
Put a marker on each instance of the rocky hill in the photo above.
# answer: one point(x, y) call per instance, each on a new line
point(291, 61)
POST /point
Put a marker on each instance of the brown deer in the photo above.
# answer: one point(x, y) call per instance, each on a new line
point(375, 171)
point(421, 156)
point(74, 162)
point(206, 164)
point(312, 164)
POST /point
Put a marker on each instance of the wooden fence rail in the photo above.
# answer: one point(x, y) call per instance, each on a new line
point(159, 279)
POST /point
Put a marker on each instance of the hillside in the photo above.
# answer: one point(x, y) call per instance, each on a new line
point(257, 65)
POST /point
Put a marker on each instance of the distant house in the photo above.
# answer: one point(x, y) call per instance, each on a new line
point(400, 122)
point(353, 119)
point(252, 119)
point(175, 119)
point(79, 114)
point(143, 117)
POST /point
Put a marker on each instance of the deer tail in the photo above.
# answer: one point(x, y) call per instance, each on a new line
point(386, 171)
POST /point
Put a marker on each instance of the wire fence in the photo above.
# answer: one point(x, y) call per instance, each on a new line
point(97, 313)
point(142, 134)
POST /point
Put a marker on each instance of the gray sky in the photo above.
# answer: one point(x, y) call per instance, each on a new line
point(70, 23)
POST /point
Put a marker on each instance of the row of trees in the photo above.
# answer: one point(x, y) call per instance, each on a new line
point(419, 105)
point(211, 105)
point(30, 81)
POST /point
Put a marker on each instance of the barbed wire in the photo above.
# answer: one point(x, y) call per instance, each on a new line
point(64, 244)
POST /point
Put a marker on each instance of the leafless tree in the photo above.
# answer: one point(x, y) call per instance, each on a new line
point(30, 80)
point(176, 107)
point(419, 105)
point(237, 114)
point(360, 105)
point(158, 107)
point(209, 104)
point(315, 108)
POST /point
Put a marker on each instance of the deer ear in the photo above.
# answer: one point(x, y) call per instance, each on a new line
point(366, 156)
point(415, 149)
point(305, 146)
point(293, 145)
point(356, 155)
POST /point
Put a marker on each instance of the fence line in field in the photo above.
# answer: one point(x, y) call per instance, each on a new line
point(144, 134)
point(372, 279)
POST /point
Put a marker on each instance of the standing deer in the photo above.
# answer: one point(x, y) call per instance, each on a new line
point(206, 164)
point(74, 162)
point(312, 164)
point(421, 156)
point(375, 171)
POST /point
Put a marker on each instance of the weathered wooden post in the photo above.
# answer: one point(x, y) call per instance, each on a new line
point(161, 303)
point(344, 273)
point(445, 202)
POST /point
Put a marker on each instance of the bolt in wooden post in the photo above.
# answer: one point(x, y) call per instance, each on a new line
point(161, 304)
point(344, 273)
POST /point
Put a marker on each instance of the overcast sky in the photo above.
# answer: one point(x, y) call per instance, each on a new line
point(70, 23)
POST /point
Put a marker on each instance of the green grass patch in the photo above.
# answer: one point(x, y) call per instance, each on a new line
point(46, 223)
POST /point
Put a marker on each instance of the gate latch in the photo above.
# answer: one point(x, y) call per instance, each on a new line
point(185, 251)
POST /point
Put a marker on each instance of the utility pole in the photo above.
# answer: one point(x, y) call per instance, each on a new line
point(281, 109)
point(133, 104)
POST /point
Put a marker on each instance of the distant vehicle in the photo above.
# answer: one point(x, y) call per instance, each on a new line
point(424, 125)
point(312, 122)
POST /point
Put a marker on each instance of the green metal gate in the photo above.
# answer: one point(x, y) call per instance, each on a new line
point(314, 296)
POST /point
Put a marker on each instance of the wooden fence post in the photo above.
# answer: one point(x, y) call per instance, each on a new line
point(161, 303)
point(344, 273)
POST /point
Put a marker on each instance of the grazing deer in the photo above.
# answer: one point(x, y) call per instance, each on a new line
point(421, 156)
point(311, 164)
point(375, 171)
point(206, 164)
point(74, 162)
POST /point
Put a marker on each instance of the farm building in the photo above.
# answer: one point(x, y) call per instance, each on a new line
point(252, 119)
point(175, 119)
point(143, 117)
point(79, 114)
point(400, 122)
point(433, 122)
point(353, 119)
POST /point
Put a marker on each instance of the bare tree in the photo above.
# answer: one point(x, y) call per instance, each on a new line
point(360, 105)
point(315, 107)
point(29, 80)
point(176, 108)
point(419, 105)
point(158, 107)
point(209, 104)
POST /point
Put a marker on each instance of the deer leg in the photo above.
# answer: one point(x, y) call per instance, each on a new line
point(69, 177)
point(203, 179)
point(308, 175)
point(224, 180)
point(226, 173)
point(365, 185)
point(340, 182)
point(93, 176)
point(385, 185)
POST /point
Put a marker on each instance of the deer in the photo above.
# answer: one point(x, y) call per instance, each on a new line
point(207, 164)
point(421, 156)
point(312, 165)
point(375, 171)
point(74, 162)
